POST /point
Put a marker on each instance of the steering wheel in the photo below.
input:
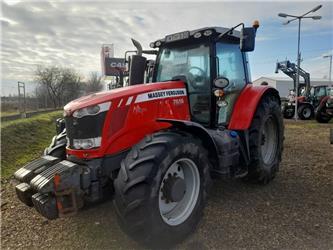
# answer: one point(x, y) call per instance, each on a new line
point(196, 80)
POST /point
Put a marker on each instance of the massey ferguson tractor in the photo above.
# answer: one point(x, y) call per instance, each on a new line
point(155, 146)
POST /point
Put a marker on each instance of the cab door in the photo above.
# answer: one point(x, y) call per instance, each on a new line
point(230, 64)
point(319, 93)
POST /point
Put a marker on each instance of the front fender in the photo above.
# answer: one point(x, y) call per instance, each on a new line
point(197, 130)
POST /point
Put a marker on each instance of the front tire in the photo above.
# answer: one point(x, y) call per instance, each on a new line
point(305, 112)
point(288, 112)
point(266, 141)
point(57, 148)
point(154, 206)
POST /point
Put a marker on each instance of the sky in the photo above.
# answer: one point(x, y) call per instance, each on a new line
point(70, 33)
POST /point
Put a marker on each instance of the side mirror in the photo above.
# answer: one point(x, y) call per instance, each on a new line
point(221, 82)
point(247, 39)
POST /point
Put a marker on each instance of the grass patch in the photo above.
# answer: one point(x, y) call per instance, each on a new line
point(24, 140)
point(8, 113)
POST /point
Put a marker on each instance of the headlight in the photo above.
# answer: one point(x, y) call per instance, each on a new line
point(87, 143)
point(92, 110)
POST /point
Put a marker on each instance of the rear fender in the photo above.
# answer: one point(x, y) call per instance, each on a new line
point(247, 103)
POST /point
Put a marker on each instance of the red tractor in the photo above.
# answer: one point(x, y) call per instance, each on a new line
point(309, 97)
point(156, 145)
point(324, 111)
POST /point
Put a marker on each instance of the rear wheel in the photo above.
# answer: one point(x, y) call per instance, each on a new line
point(321, 118)
point(266, 141)
point(305, 112)
point(161, 188)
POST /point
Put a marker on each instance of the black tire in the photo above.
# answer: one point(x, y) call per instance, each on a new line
point(138, 182)
point(287, 112)
point(322, 118)
point(57, 148)
point(305, 112)
point(259, 170)
point(288, 115)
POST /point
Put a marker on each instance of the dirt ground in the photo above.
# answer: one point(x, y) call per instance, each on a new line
point(295, 211)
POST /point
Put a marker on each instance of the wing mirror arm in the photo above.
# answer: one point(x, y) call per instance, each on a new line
point(229, 31)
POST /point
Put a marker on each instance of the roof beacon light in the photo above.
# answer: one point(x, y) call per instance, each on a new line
point(255, 24)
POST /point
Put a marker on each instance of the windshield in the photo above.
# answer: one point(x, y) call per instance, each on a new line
point(330, 91)
point(191, 61)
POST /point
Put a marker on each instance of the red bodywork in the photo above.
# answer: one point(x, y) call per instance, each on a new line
point(131, 117)
point(133, 114)
point(301, 99)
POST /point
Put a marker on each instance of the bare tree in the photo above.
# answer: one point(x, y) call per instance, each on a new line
point(94, 83)
point(60, 84)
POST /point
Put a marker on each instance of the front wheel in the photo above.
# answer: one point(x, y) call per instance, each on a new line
point(161, 188)
point(288, 111)
point(305, 112)
point(57, 148)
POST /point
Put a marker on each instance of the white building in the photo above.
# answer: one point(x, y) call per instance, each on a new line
point(283, 85)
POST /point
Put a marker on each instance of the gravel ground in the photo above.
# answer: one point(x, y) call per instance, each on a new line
point(295, 211)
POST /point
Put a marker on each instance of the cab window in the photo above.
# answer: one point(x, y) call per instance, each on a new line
point(230, 64)
point(320, 91)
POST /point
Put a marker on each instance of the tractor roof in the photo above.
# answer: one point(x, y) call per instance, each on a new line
point(202, 32)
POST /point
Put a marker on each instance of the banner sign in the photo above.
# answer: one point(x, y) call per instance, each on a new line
point(113, 66)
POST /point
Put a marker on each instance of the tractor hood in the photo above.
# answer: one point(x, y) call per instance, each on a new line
point(130, 91)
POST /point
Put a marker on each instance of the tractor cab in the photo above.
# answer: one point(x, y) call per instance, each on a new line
point(317, 93)
point(202, 59)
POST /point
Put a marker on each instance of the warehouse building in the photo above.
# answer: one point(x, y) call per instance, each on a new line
point(283, 85)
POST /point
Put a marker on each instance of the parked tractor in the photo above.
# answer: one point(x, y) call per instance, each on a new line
point(324, 111)
point(309, 96)
point(157, 145)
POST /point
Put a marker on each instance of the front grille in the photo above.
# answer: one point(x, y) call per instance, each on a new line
point(90, 126)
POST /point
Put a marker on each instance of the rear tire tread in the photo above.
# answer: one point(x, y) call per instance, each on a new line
point(258, 174)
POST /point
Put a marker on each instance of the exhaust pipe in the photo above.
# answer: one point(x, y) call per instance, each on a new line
point(137, 66)
point(138, 46)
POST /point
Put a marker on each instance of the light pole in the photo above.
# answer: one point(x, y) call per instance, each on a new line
point(330, 72)
point(299, 18)
point(21, 86)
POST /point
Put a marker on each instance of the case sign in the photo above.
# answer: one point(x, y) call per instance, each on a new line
point(113, 66)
